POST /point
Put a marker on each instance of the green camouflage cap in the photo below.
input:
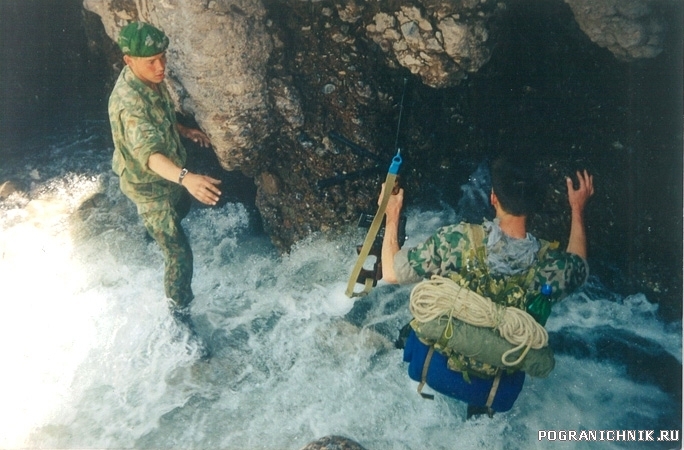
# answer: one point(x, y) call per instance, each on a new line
point(142, 39)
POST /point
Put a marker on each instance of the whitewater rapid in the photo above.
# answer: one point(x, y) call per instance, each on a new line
point(91, 357)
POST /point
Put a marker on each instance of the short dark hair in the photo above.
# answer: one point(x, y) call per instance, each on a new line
point(515, 186)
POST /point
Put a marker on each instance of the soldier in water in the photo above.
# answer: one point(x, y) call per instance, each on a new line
point(150, 159)
point(498, 260)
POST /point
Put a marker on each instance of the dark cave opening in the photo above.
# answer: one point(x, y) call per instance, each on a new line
point(51, 76)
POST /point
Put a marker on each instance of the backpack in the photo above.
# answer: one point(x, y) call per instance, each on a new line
point(519, 291)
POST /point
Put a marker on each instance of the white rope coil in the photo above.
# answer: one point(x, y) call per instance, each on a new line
point(439, 296)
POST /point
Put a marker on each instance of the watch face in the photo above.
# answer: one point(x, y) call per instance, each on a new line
point(183, 172)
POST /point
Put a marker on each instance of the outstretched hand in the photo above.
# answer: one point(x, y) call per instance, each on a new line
point(578, 197)
point(203, 188)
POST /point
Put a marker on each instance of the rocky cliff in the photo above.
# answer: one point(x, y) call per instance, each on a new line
point(283, 88)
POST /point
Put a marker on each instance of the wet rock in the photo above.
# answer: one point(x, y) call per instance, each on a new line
point(630, 29)
point(268, 183)
point(440, 43)
point(350, 11)
point(333, 443)
point(6, 189)
point(286, 100)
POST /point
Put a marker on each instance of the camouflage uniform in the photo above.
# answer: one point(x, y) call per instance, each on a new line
point(459, 252)
point(143, 123)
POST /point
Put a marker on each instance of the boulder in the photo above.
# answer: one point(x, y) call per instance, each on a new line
point(441, 42)
point(6, 189)
point(630, 29)
point(333, 443)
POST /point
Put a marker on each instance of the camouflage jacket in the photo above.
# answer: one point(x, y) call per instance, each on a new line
point(450, 253)
point(143, 123)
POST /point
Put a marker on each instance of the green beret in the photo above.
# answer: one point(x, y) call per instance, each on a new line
point(142, 39)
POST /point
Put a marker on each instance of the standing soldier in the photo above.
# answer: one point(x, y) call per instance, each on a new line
point(149, 157)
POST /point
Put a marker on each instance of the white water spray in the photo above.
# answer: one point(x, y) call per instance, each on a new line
point(92, 358)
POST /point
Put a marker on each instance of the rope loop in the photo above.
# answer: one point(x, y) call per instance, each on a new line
point(449, 329)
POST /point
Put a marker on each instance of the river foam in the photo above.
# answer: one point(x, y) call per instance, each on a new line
point(93, 359)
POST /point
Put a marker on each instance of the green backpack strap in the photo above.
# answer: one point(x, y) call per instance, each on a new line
point(473, 252)
point(477, 249)
point(476, 234)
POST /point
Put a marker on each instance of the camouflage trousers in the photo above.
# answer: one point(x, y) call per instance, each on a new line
point(164, 226)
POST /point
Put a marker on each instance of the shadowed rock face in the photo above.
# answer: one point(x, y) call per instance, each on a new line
point(569, 85)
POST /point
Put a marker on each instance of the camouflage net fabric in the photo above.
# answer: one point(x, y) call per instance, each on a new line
point(439, 296)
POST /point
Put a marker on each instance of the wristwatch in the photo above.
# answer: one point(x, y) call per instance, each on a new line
point(182, 175)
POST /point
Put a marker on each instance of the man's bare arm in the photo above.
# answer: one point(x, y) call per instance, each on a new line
point(203, 188)
point(578, 198)
point(390, 241)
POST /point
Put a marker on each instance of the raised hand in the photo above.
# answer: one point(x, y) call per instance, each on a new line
point(578, 197)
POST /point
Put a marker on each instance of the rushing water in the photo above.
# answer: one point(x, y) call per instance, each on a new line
point(92, 359)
